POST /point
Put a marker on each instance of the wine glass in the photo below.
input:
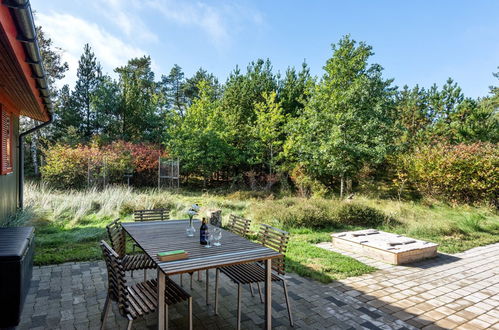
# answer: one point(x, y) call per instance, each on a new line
point(209, 239)
point(217, 236)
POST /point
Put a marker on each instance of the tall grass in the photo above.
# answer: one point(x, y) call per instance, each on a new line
point(75, 205)
point(71, 207)
point(70, 223)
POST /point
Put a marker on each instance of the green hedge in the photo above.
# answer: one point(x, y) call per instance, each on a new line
point(455, 173)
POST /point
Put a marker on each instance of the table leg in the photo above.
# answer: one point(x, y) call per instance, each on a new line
point(207, 287)
point(268, 294)
point(162, 308)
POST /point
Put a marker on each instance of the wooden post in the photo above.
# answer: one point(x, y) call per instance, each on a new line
point(162, 307)
point(268, 294)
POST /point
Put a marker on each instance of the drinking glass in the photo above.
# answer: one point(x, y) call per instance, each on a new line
point(209, 239)
point(217, 236)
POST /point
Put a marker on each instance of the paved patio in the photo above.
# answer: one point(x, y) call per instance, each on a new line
point(449, 291)
point(72, 295)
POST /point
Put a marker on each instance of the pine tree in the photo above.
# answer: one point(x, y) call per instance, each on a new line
point(191, 86)
point(293, 88)
point(139, 101)
point(241, 93)
point(412, 114)
point(174, 89)
point(89, 77)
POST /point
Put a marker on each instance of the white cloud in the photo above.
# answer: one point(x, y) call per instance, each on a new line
point(124, 14)
point(71, 33)
point(218, 22)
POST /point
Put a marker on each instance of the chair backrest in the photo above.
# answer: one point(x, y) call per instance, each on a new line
point(117, 237)
point(276, 239)
point(116, 277)
point(151, 215)
point(239, 225)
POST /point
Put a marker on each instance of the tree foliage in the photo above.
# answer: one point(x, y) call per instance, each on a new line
point(89, 75)
point(350, 117)
point(198, 138)
point(268, 130)
point(456, 173)
point(139, 101)
point(54, 66)
point(258, 126)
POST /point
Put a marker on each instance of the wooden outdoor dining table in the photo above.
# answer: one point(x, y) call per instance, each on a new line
point(161, 236)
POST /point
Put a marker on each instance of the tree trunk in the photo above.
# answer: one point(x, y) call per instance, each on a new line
point(271, 159)
point(342, 185)
point(88, 120)
point(349, 185)
point(34, 155)
point(270, 178)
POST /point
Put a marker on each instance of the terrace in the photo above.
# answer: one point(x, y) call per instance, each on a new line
point(450, 291)
point(328, 288)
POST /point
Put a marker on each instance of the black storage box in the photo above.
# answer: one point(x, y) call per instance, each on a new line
point(16, 267)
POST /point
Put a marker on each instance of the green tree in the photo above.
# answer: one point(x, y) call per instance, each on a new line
point(190, 88)
point(412, 114)
point(139, 101)
point(269, 129)
point(472, 122)
point(452, 97)
point(293, 90)
point(350, 119)
point(198, 139)
point(106, 103)
point(55, 67)
point(173, 86)
point(483, 124)
point(237, 106)
point(67, 119)
point(89, 75)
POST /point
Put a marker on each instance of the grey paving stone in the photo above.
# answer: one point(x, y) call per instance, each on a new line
point(71, 296)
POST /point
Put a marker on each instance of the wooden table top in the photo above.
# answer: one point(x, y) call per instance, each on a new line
point(161, 236)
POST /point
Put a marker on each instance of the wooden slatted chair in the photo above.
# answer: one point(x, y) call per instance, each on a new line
point(239, 225)
point(131, 262)
point(151, 215)
point(270, 237)
point(140, 299)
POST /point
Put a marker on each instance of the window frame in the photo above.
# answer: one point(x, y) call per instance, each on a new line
point(4, 170)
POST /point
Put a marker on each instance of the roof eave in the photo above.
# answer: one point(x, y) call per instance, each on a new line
point(26, 34)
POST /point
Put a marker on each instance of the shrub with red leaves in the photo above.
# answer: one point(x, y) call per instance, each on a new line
point(70, 167)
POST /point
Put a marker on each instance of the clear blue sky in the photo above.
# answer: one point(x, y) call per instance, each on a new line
point(420, 42)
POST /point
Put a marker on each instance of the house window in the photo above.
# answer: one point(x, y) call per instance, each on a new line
point(6, 137)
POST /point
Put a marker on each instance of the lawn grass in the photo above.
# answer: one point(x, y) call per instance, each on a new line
point(306, 259)
point(69, 224)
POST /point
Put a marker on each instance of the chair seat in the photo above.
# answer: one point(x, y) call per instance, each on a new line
point(143, 297)
point(137, 261)
point(247, 273)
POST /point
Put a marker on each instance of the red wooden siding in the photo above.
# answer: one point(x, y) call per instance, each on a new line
point(6, 141)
